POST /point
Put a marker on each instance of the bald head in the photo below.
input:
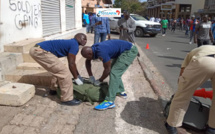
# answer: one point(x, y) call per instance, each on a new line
point(81, 38)
point(87, 53)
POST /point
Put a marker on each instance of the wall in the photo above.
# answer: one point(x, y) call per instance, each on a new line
point(196, 4)
point(78, 14)
point(21, 19)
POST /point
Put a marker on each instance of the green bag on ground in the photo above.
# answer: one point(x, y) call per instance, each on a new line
point(89, 92)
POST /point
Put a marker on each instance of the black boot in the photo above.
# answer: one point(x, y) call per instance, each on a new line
point(210, 130)
point(52, 92)
point(170, 129)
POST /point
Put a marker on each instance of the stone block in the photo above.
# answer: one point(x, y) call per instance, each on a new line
point(22, 46)
point(35, 77)
point(16, 94)
point(27, 57)
point(8, 62)
point(29, 66)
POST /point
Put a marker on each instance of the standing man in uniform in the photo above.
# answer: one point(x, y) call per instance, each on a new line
point(204, 33)
point(47, 53)
point(197, 68)
point(127, 27)
point(164, 23)
point(122, 53)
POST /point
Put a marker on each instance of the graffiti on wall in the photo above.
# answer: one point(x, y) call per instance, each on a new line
point(26, 13)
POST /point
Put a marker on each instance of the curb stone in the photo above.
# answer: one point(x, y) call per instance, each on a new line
point(157, 82)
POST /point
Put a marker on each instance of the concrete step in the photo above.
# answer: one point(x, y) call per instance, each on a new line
point(22, 46)
point(8, 62)
point(16, 94)
point(29, 66)
point(35, 77)
point(28, 58)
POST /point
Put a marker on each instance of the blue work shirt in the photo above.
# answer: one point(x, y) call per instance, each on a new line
point(110, 49)
point(213, 30)
point(60, 48)
point(104, 27)
point(86, 18)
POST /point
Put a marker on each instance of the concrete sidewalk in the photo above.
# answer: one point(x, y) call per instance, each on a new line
point(140, 113)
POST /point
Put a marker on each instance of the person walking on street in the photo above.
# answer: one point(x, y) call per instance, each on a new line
point(204, 32)
point(196, 69)
point(86, 21)
point(101, 28)
point(173, 25)
point(213, 31)
point(47, 53)
point(164, 23)
point(127, 27)
point(187, 27)
point(123, 53)
point(192, 25)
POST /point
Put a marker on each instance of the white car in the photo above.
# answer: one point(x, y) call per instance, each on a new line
point(143, 26)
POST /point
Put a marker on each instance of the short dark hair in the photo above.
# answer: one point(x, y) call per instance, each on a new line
point(126, 12)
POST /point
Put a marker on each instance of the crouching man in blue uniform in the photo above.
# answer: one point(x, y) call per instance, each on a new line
point(123, 53)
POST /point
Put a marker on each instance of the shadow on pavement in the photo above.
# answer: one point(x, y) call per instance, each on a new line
point(185, 51)
point(174, 65)
point(170, 57)
point(179, 42)
point(146, 113)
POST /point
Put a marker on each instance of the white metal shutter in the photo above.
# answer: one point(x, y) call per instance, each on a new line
point(51, 16)
point(70, 14)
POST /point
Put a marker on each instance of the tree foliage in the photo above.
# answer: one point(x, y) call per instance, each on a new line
point(133, 6)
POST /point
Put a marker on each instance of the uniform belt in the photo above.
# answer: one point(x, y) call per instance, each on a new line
point(211, 55)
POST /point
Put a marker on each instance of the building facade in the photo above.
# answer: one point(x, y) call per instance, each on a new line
point(24, 19)
point(209, 9)
point(91, 5)
point(174, 8)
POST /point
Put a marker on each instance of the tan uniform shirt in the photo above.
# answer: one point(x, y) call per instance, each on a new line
point(198, 52)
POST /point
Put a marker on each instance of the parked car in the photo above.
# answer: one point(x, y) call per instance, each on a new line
point(143, 26)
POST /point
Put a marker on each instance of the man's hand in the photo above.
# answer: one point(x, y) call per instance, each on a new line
point(97, 83)
point(108, 36)
point(78, 81)
point(92, 79)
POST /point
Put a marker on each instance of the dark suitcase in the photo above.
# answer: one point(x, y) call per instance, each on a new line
point(196, 117)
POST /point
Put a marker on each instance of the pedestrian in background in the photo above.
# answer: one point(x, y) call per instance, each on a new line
point(204, 32)
point(101, 28)
point(196, 69)
point(127, 27)
point(173, 25)
point(192, 25)
point(86, 21)
point(213, 31)
point(164, 23)
point(91, 17)
point(187, 26)
point(152, 19)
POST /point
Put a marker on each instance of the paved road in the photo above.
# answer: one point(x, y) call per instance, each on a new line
point(167, 54)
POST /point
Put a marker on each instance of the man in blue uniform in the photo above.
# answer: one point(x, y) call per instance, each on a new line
point(47, 53)
point(122, 53)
